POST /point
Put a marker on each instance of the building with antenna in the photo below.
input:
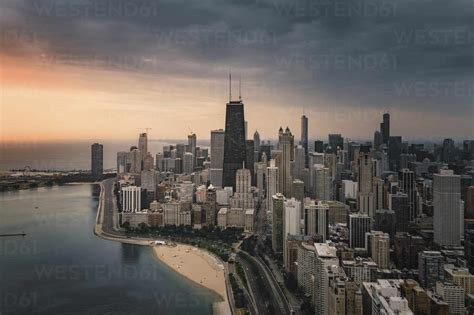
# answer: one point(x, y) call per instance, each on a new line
point(234, 139)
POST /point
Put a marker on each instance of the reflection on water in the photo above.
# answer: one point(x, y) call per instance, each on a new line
point(130, 253)
point(61, 267)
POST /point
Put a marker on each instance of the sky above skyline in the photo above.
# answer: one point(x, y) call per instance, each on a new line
point(105, 69)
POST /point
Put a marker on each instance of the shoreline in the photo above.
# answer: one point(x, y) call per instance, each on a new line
point(197, 260)
point(192, 263)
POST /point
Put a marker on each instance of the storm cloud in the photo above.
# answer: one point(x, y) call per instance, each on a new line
point(380, 54)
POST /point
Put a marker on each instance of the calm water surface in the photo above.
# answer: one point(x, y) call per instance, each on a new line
point(61, 267)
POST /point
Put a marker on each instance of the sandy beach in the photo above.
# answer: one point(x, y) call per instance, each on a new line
point(199, 266)
point(195, 264)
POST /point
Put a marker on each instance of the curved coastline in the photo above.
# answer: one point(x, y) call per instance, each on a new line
point(193, 261)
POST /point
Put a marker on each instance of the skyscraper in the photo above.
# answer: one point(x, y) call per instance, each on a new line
point(316, 220)
point(192, 147)
point(188, 163)
point(322, 183)
point(285, 140)
point(380, 249)
point(335, 141)
point(243, 195)
point(249, 159)
point(430, 268)
point(234, 141)
point(407, 184)
point(377, 139)
point(446, 208)
point(359, 224)
point(365, 184)
point(394, 152)
point(299, 164)
point(97, 159)
point(142, 147)
point(217, 157)
point(325, 259)
point(256, 144)
point(272, 184)
point(385, 128)
point(304, 137)
point(277, 223)
point(399, 204)
point(291, 221)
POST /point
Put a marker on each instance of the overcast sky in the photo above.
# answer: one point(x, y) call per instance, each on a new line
point(104, 69)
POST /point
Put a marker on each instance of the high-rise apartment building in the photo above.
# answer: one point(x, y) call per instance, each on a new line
point(243, 197)
point(285, 140)
point(453, 295)
point(291, 222)
point(380, 249)
point(322, 183)
point(217, 157)
point(277, 223)
point(97, 160)
point(359, 224)
point(325, 258)
point(365, 185)
point(430, 268)
point(407, 184)
point(335, 141)
point(304, 138)
point(188, 159)
point(447, 208)
point(131, 199)
point(192, 148)
point(272, 184)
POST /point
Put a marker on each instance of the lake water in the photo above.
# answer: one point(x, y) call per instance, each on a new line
point(61, 267)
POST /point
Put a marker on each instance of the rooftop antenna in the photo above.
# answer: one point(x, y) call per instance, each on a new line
point(240, 88)
point(230, 86)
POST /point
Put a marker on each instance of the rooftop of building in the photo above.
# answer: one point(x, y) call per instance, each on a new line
point(325, 250)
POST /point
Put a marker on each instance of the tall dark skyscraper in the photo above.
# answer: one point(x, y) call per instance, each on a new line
point(304, 137)
point(97, 159)
point(335, 141)
point(319, 146)
point(385, 128)
point(249, 158)
point(234, 142)
point(407, 184)
point(394, 152)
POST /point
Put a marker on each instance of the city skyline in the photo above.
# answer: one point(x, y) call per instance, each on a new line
point(257, 157)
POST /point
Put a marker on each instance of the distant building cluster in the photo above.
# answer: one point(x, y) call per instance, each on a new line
point(378, 227)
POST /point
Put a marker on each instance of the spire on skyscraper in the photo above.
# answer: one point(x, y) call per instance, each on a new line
point(240, 88)
point(230, 86)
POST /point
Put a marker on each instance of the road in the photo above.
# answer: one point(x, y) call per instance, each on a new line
point(274, 273)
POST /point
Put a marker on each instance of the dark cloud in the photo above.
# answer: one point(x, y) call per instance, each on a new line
point(402, 54)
